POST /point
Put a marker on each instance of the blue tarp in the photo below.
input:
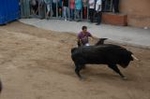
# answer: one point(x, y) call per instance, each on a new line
point(9, 11)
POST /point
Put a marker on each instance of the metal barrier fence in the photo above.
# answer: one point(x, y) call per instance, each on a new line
point(27, 12)
point(57, 9)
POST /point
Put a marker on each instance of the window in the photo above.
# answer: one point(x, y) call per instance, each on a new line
point(107, 5)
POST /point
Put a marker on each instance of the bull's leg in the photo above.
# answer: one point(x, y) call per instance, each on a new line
point(0, 86)
point(77, 70)
point(116, 69)
point(83, 67)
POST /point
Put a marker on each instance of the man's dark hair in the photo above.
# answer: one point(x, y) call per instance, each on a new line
point(84, 27)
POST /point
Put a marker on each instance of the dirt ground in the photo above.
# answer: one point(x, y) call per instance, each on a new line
point(36, 64)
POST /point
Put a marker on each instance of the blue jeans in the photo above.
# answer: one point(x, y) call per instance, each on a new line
point(72, 14)
point(66, 13)
point(78, 14)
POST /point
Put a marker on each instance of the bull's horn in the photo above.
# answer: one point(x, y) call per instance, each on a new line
point(134, 57)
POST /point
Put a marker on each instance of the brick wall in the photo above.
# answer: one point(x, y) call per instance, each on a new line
point(138, 12)
point(114, 19)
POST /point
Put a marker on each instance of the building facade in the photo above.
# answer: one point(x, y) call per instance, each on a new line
point(138, 12)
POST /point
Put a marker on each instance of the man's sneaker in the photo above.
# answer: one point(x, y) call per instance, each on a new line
point(97, 24)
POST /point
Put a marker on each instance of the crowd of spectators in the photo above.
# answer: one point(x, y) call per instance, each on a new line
point(68, 10)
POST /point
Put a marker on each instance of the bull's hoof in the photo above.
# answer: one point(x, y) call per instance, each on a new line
point(124, 78)
point(84, 67)
point(81, 78)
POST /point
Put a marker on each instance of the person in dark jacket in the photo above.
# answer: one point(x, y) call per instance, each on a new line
point(116, 6)
point(34, 6)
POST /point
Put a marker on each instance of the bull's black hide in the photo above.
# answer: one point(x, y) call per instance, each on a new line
point(0, 86)
point(100, 42)
point(108, 54)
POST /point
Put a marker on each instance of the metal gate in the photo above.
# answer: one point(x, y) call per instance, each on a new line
point(57, 10)
point(107, 5)
point(27, 11)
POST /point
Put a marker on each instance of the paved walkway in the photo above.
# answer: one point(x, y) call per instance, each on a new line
point(129, 35)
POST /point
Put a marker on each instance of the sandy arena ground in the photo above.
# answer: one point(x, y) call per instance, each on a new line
point(36, 64)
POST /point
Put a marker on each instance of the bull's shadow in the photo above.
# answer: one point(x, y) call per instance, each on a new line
point(96, 71)
point(100, 53)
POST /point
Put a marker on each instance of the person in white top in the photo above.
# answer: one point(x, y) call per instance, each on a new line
point(98, 10)
point(91, 10)
point(48, 6)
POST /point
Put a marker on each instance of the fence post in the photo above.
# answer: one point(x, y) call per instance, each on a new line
point(25, 8)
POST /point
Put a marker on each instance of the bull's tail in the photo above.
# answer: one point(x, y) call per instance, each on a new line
point(101, 41)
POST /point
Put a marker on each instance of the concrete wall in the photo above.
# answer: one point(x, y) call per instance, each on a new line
point(138, 12)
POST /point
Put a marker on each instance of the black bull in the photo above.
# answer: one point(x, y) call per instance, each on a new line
point(0, 86)
point(109, 54)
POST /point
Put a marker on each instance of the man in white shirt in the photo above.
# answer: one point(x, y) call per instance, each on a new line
point(91, 9)
point(98, 10)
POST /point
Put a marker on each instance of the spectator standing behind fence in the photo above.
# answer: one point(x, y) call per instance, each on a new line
point(116, 6)
point(48, 8)
point(34, 7)
point(66, 9)
point(78, 8)
point(54, 2)
point(98, 10)
point(60, 8)
point(91, 10)
point(41, 9)
point(72, 7)
point(103, 5)
point(85, 4)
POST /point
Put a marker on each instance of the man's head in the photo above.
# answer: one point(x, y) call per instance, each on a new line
point(84, 28)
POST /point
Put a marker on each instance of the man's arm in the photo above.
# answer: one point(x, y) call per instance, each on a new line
point(90, 35)
point(78, 40)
